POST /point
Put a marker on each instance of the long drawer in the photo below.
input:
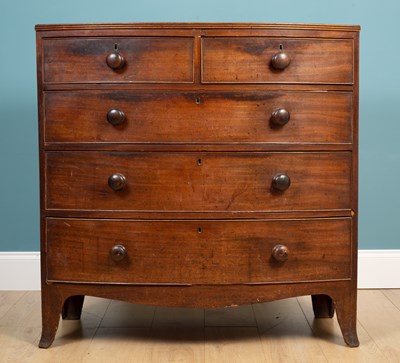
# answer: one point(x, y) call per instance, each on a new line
point(250, 60)
point(145, 59)
point(197, 252)
point(198, 181)
point(196, 117)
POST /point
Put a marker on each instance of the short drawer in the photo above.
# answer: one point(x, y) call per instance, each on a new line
point(250, 60)
point(144, 59)
point(198, 252)
point(198, 181)
point(169, 117)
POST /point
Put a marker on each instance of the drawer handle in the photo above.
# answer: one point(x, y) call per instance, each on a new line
point(115, 60)
point(280, 253)
point(115, 117)
point(280, 61)
point(280, 182)
point(280, 117)
point(117, 181)
point(118, 253)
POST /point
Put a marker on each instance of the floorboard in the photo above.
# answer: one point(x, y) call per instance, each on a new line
point(279, 331)
point(381, 319)
point(329, 337)
point(285, 334)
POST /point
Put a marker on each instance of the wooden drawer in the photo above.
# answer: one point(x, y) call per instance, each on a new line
point(146, 59)
point(193, 117)
point(225, 252)
point(248, 60)
point(197, 181)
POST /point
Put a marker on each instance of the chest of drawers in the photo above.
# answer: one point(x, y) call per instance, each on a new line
point(198, 165)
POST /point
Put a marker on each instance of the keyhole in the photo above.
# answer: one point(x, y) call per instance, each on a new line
point(280, 47)
point(199, 230)
point(198, 100)
point(199, 162)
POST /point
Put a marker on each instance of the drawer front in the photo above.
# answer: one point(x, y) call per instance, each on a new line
point(169, 117)
point(225, 252)
point(202, 181)
point(249, 60)
point(145, 60)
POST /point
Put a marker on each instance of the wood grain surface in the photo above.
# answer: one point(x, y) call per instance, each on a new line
point(147, 59)
point(198, 117)
point(247, 60)
point(176, 181)
point(198, 252)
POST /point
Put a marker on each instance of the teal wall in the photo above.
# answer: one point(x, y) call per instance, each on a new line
point(379, 95)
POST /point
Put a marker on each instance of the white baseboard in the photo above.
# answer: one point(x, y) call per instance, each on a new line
point(19, 271)
point(377, 269)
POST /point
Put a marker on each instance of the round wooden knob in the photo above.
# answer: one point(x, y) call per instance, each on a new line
point(117, 181)
point(115, 60)
point(280, 61)
point(280, 117)
point(115, 117)
point(280, 182)
point(280, 253)
point(118, 253)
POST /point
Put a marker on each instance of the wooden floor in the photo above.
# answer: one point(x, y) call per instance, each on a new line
point(281, 331)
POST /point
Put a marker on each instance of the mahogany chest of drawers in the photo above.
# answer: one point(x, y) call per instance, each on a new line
point(198, 165)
